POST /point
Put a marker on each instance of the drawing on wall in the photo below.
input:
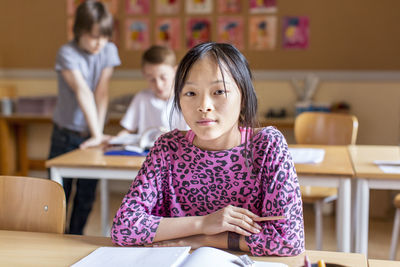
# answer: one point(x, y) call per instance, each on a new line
point(229, 6)
point(137, 34)
point(198, 31)
point(262, 32)
point(230, 30)
point(168, 7)
point(112, 6)
point(296, 32)
point(140, 7)
point(262, 6)
point(166, 32)
point(199, 6)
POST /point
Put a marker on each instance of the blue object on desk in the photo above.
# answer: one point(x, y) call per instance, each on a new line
point(125, 153)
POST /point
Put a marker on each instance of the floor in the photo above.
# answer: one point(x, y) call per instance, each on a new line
point(379, 237)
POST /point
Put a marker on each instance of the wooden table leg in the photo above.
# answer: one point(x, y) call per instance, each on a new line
point(23, 161)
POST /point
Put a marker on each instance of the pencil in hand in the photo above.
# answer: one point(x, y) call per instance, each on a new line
point(270, 218)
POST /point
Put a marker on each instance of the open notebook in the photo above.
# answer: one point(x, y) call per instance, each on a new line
point(164, 256)
point(307, 155)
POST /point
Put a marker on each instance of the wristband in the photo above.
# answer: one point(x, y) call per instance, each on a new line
point(233, 241)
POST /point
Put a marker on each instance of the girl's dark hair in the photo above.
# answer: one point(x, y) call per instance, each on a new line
point(89, 13)
point(231, 60)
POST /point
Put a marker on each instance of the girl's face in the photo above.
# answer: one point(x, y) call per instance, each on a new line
point(211, 113)
point(92, 42)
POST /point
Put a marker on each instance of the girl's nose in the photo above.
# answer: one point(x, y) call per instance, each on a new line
point(205, 105)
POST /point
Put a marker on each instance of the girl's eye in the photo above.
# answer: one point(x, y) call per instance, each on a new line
point(189, 93)
point(220, 92)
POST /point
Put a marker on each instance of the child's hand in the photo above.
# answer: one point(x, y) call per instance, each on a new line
point(231, 219)
point(94, 141)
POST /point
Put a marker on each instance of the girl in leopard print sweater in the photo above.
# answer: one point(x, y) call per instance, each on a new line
point(210, 186)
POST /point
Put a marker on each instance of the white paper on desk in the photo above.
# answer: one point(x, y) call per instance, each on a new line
point(387, 162)
point(135, 256)
point(206, 256)
point(390, 169)
point(125, 139)
point(307, 155)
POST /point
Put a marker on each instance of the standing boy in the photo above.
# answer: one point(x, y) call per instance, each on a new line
point(84, 67)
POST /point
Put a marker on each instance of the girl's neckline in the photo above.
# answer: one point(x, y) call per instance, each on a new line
point(189, 136)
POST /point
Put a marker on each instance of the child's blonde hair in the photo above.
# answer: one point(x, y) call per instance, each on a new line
point(157, 54)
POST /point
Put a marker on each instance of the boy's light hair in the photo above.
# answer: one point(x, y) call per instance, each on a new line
point(157, 54)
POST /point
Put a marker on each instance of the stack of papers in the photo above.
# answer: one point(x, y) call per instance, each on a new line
point(307, 155)
point(388, 166)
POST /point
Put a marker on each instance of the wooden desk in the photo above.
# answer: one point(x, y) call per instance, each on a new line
point(13, 141)
point(41, 249)
point(334, 171)
point(92, 164)
point(383, 263)
point(369, 176)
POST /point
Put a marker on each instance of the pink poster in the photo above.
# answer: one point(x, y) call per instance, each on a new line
point(167, 32)
point(137, 34)
point(112, 6)
point(262, 32)
point(230, 30)
point(296, 32)
point(137, 7)
point(198, 31)
point(229, 6)
point(262, 6)
point(168, 7)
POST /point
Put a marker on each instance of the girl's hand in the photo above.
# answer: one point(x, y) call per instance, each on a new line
point(231, 219)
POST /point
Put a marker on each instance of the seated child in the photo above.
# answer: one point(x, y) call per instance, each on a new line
point(211, 185)
point(151, 108)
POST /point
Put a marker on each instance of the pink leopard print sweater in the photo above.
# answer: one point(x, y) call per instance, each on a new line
point(179, 179)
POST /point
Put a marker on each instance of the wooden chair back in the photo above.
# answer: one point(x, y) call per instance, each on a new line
point(31, 204)
point(323, 128)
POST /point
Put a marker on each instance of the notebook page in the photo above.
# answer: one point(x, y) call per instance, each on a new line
point(307, 155)
point(206, 256)
point(135, 256)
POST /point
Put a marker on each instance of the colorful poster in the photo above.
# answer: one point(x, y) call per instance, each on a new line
point(199, 6)
point(167, 32)
point(230, 30)
point(168, 7)
point(137, 34)
point(262, 32)
point(198, 31)
point(262, 6)
point(229, 6)
point(112, 6)
point(137, 7)
point(296, 32)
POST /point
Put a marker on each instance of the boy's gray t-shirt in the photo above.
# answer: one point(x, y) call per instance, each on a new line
point(67, 113)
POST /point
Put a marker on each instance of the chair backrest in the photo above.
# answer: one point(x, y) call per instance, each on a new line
point(323, 128)
point(31, 204)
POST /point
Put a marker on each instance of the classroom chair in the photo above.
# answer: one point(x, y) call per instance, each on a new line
point(321, 128)
point(395, 232)
point(31, 204)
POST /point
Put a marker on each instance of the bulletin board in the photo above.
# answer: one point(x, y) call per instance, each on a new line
point(342, 35)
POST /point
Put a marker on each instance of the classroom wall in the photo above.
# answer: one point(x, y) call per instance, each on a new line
point(356, 34)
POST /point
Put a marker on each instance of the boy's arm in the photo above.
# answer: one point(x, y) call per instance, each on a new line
point(87, 103)
point(101, 95)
